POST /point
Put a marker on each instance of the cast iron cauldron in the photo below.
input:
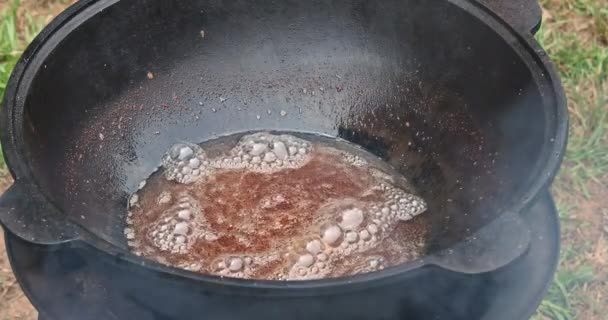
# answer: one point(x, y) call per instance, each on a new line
point(463, 103)
point(77, 284)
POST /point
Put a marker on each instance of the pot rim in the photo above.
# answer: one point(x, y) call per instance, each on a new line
point(524, 44)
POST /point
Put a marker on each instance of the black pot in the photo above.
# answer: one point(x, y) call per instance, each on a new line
point(76, 284)
point(457, 96)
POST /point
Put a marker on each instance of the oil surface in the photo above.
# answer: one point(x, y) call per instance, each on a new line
point(277, 207)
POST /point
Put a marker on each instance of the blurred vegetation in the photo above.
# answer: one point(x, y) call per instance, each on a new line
point(575, 34)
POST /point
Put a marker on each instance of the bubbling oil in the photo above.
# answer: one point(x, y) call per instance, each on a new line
point(276, 207)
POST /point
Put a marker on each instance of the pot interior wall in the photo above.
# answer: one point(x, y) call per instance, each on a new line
point(422, 84)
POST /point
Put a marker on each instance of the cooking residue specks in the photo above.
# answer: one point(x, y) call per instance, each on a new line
point(276, 206)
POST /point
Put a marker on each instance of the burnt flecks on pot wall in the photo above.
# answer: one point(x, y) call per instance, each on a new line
point(366, 73)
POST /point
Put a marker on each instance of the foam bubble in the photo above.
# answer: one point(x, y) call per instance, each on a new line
point(133, 200)
point(271, 153)
point(349, 228)
point(351, 237)
point(374, 263)
point(181, 161)
point(306, 260)
point(181, 228)
point(185, 153)
point(194, 163)
point(372, 228)
point(314, 246)
point(184, 214)
point(236, 264)
point(164, 198)
point(257, 149)
point(280, 150)
point(351, 219)
point(269, 157)
point(364, 234)
point(331, 235)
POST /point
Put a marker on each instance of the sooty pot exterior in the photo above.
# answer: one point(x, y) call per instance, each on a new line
point(463, 103)
point(75, 284)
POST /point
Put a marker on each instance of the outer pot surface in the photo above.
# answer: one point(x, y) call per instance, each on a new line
point(475, 118)
point(69, 284)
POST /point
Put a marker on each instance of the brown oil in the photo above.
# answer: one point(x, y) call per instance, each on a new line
point(277, 207)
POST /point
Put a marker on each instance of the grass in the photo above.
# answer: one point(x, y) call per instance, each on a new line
point(575, 34)
point(583, 64)
point(558, 303)
point(16, 30)
point(14, 39)
point(9, 52)
point(20, 22)
point(12, 43)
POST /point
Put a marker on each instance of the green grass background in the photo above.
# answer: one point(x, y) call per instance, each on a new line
point(575, 34)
